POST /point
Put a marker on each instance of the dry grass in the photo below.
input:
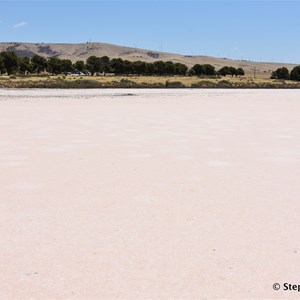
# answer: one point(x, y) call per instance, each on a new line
point(142, 81)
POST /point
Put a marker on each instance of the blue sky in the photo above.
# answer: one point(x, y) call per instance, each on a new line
point(253, 30)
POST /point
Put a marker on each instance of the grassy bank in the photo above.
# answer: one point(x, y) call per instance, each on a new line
point(140, 82)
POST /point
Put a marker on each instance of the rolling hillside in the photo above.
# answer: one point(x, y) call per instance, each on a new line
point(82, 51)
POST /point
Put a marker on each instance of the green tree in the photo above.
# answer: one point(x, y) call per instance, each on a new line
point(38, 63)
point(191, 72)
point(139, 67)
point(159, 67)
point(295, 74)
point(199, 69)
point(209, 70)
point(169, 68)
point(66, 66)
point(79, 66)
point(233, 71)
point(224, 71)
point(104, 64)
point(149, 69)
point(24, 65)
point(180, 69)
point(54, 65)
point(10, 62)
point(240, 72)
point(93, 64)
point(281, 73)
point(127, 67)
point(2, 67)
point(117, 66)
point(204, 70)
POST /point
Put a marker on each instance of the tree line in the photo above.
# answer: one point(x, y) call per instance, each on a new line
point(10, 63)
point(284, 73)
point(209, 70)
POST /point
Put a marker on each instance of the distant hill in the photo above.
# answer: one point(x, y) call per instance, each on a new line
point(83, 51)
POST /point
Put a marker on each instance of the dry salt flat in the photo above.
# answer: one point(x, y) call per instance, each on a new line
point(149, 194)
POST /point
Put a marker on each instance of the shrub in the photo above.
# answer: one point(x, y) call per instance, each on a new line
point(174, 84)
point(204, 84)
point(295, 74)
point(224, 83)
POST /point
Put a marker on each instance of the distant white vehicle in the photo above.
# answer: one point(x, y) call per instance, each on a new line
point(75, 74)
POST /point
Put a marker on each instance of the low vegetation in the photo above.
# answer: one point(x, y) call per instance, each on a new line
point(131, 81)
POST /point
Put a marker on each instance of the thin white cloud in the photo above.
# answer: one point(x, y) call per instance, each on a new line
point(21, 24)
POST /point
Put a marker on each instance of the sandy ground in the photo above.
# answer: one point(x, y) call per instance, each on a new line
point(149, 194)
